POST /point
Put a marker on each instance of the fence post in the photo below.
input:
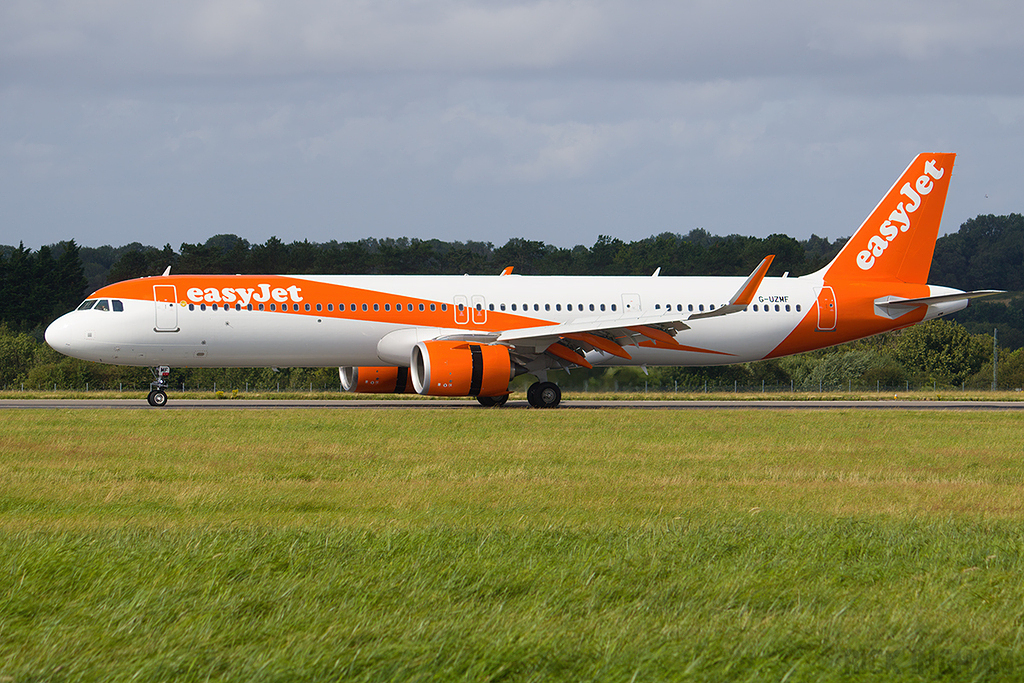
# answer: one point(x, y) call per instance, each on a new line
point(995, 359)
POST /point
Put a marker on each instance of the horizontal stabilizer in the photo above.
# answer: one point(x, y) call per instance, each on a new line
point(893, 307)
point(944, 298)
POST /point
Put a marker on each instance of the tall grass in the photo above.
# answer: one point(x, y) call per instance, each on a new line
point(516, 545)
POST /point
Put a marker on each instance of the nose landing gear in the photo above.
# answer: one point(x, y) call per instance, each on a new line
point(158, 387)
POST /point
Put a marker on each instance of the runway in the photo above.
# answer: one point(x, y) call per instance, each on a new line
point(471, 404)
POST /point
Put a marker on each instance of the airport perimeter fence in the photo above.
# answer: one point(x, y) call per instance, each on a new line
point(710, 387)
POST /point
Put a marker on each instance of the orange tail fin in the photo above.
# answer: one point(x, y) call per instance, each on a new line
point(897, 240)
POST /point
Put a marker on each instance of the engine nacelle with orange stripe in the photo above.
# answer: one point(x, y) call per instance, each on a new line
point(441, 368)
point(376, 380)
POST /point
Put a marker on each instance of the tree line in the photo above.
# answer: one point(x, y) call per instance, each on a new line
point(987, 252)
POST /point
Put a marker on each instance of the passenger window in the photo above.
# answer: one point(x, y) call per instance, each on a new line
point(657, 307)
point(387, 307)
point(568, 307)
point(319, 307)
point(689, 307)
point(536, 307)
point(421, 307)
point(87, 304)
point(513, 307)
point(261, 307)
point(364, 307)
point(118, 306)
point(591, 306)
point(306, 305)
point(547, 307)
point(558, 307)
point(444, 307)
point(376, 307)
point(787, 308)
point(191, 307)
point(433, 307)
point(798, 308)
point(238, 307)
point(273, 307)
point(755, 308)
point(490, 306)
point(202, 307)
point(613, 307)
point(215, 307)
point(602, 307)
point(503, 307)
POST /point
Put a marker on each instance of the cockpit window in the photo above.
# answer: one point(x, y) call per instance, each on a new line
point(102, 305)
point(117, 305)
point(87, 304)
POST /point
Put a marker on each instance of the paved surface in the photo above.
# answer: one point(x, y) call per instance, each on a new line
point(414, 404)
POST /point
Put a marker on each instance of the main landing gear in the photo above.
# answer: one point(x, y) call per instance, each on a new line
point(158, 388)
point(540, 395)
point(544, 395)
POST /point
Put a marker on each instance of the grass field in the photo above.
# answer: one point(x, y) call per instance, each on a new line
point(511, 545)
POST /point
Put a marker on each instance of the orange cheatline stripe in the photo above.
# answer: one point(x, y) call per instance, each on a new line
point(681, 347)
point(565, 353)
point(606, 345)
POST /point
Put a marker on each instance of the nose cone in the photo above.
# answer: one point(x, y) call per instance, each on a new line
point(58, 335)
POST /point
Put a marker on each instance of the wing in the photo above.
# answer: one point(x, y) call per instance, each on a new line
point(568, 342)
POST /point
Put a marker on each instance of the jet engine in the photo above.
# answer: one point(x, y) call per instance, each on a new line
point(376, 380)
point(442, 368)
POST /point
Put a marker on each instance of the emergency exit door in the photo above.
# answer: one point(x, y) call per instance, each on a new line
point(826, 309)
point(166, 300)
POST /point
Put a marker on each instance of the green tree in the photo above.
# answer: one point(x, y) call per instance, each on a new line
point(17, 352)
point(941, 351)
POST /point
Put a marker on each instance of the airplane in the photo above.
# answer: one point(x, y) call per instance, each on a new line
point(471, 335)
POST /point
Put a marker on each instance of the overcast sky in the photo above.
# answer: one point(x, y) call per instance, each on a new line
point(557, 120)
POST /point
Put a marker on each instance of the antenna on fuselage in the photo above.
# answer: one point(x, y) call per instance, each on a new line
point(167, 272)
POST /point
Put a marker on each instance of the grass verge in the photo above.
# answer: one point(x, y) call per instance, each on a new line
point(528, 545)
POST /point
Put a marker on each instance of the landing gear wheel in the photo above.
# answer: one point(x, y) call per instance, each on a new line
point(492, 401)
point(157, 388)
point(544, 395)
